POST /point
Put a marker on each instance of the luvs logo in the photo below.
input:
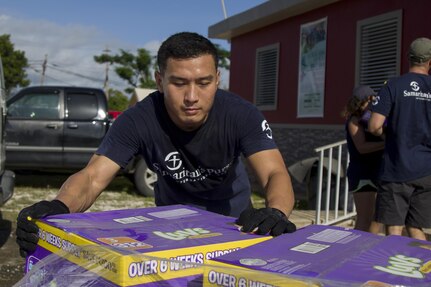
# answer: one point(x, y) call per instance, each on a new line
point(403, 266)
point(182, 234)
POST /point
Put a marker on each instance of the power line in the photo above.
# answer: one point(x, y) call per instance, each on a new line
point(35, 61)
point(55, 67)
point(38, 71)
point(49, 77)
point(57, 80)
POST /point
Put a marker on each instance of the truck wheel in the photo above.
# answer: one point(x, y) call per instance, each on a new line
point(144, 179)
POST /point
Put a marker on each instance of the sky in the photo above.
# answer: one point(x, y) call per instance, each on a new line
point(70, 33)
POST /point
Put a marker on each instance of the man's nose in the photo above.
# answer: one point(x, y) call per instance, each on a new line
point(191, 94)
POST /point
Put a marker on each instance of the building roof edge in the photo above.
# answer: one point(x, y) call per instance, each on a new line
point(262, 15)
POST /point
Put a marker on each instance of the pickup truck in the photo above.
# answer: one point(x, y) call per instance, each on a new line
point(58, 128)
point(7, 177)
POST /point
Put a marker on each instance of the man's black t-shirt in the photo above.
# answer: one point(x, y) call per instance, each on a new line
point(201, 168)
point(406, 102)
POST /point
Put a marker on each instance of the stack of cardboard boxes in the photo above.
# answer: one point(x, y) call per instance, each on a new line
point(136, 247)
point(184, 246)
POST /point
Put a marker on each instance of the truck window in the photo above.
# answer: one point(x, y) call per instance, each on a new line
point(82, 106)
point(35, 106)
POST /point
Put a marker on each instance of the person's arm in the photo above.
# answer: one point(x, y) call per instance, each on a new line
point(357, 133)
point(375, 124)
point(273, 176)
point(81, 189)
point(76, 194)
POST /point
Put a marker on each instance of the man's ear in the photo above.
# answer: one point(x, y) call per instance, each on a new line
point(159, 81)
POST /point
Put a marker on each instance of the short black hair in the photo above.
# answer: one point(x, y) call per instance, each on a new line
point(185, 45)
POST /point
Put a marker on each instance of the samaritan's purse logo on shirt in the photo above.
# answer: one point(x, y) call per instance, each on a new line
point(174, 168)
point(266, 129)
point(173, 161)
point(416, 93)
point(415, 86)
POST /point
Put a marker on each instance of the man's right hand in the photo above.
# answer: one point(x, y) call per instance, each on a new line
point(27, 230)
point(264, 220)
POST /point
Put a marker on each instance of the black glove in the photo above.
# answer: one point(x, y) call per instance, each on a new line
point(27, 230)
point(266, 220)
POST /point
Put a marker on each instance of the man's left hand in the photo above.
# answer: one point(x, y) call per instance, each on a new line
point(265, 220)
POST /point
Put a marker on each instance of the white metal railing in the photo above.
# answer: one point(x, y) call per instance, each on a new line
point(331, 167)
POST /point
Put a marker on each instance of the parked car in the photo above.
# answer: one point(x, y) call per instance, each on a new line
point(58, 128)
point(113, 115)
point(7, 177)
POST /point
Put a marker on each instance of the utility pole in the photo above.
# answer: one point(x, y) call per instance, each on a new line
point(42, 78)
point(105, 85)
point(224, 9)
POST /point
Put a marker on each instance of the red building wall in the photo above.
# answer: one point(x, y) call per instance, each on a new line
point(342, 18)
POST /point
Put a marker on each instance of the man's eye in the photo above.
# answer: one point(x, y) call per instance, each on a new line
point(179, 84)
point(205, 83)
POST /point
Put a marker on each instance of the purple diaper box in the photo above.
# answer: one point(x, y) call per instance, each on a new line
point(319, 255)
point(157, 246)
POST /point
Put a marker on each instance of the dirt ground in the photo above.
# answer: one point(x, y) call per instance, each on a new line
point(11, 265)
point(30, 188)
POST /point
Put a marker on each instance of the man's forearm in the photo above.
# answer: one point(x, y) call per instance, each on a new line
point(375, 124)
point(75, 193)
point(279, 194)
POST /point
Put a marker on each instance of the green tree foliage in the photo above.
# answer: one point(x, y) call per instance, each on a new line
point(223, 57)
point(117, 101)
point(14, 64)
point(134, 69)
point(137, 69)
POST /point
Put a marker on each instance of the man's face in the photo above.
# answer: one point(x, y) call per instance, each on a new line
point(189, 88)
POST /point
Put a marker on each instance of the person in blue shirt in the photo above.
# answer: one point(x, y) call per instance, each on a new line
point(193, 135)
point(366, 152)
point(404, 197)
